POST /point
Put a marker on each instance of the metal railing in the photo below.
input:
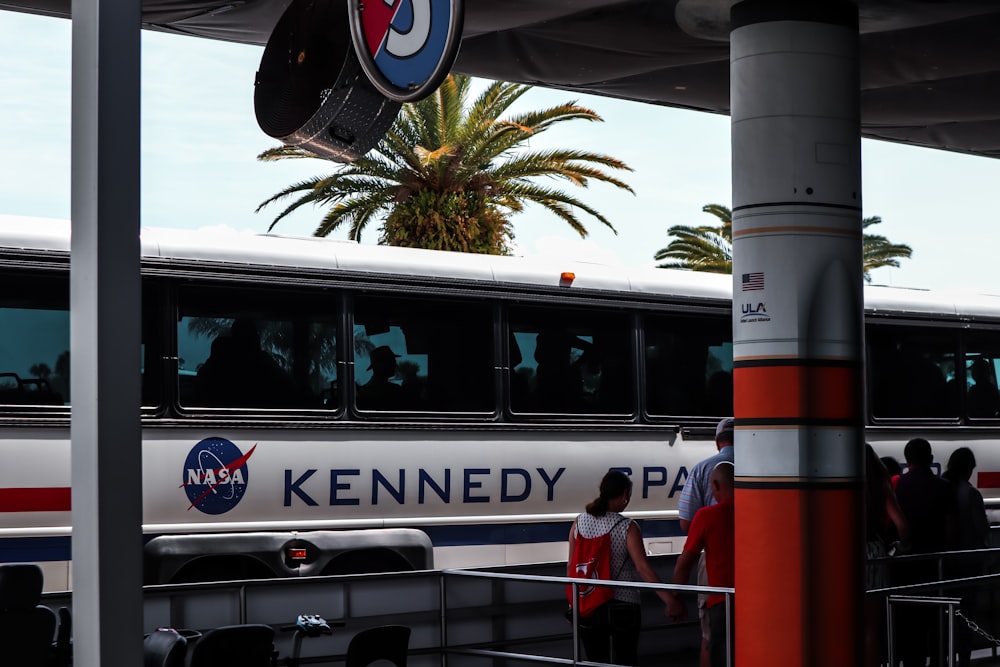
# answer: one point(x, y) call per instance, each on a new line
point(502, 615)
point(457, 616)
point(574, 583)
point(936, 594)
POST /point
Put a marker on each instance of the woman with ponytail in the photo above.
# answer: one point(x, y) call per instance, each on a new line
point(611, 634)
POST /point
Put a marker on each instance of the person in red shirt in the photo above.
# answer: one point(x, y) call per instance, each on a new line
point(712, 529)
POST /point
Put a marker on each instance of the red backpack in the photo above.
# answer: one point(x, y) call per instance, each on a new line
point(591, 559)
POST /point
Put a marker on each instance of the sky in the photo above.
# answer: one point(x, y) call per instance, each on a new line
point(200, 140)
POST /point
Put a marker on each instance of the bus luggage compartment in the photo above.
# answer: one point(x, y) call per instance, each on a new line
point(174, 559)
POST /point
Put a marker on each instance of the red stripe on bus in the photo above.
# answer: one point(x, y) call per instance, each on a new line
point(35, 500)
point(988, 480)
point(806, 392)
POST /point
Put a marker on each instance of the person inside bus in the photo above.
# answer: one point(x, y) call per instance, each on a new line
point(984, 399)
point(520, 383)
point(611, 634)
point(380, 392)
point(558, 382)
point(720, 393)
point(238, 373)
point(712, 532)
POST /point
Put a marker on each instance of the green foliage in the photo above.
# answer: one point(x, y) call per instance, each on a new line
point(710, 248)
point(450, 173)
point(703, 248)
point(878, 251)
point(462, 221)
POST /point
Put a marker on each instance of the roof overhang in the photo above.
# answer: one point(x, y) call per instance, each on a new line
point(930, 70)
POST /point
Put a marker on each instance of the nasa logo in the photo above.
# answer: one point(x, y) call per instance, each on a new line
point(406, 47)
point(215, 475)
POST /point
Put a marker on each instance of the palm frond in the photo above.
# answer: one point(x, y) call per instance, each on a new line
point(473, 152)
point(697, 248)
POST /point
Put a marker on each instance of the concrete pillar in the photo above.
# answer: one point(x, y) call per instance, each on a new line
point(798, 331)
point(105, 335)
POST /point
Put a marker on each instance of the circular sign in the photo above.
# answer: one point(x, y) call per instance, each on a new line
point(216, 475)
point(406, 47)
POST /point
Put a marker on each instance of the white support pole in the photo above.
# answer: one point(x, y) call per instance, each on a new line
point(105, 335)
point(797, 332)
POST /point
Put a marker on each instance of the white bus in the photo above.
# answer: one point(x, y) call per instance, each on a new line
point(317, 407)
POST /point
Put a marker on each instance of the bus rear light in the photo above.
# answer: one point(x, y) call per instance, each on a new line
point(566, 278)
point(297, 553)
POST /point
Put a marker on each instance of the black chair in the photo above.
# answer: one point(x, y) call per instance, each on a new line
point(164, 648)
point(249, 645)
point(386, 642)
point(26, 628)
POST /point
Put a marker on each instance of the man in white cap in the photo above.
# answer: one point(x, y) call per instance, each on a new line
point(697, 493)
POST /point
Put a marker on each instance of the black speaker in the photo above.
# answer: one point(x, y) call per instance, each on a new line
point(311, 91)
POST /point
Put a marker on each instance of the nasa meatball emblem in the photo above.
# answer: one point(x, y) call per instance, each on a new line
point(216, 475)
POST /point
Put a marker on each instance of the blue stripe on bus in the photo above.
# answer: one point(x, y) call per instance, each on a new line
point(42, 549)
point(530, 533)
point(34, 549)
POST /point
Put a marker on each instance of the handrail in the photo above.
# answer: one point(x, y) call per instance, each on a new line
point(573, 581)
point(686, 588)
point(915, 593)
point(933, 555)
point(950, 603)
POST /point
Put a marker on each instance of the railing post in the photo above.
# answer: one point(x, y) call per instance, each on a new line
point(951, 635)
point(443, 602)
point(576, 624)
point(729, 630)
point(889, 629)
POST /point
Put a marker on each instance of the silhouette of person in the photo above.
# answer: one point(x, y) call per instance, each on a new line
point(984, 399)
point(884, 525)
point(927, 502)
point(972, 531)
point(520, 385)
point(380, 391)
point(558, 383)
point(238, 373)
point(893, 468)
point(720, 393)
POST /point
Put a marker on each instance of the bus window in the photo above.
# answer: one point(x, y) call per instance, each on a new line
point(256, 350)
point(570, 362)
point(689, 366)
point(912, 372)
point(420, 355)
point(982, 358)
point(34, 340)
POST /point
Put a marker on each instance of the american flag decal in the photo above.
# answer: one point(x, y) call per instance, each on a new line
point(753, 281)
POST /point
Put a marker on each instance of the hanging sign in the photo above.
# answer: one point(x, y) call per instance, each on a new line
point(406, 47)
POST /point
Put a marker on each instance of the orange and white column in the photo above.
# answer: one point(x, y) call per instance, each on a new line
point(798, 330)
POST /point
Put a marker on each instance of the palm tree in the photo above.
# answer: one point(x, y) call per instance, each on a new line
point(448, 175)
point(704, 248)
point(878, 251)
point(710, 248)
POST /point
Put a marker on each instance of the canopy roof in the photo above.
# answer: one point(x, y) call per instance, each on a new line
point(930, 69)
